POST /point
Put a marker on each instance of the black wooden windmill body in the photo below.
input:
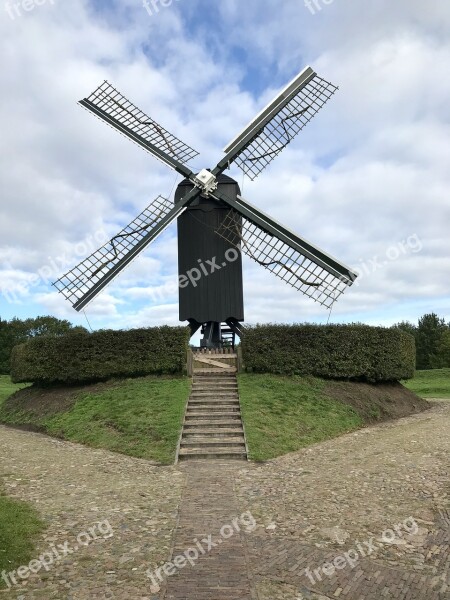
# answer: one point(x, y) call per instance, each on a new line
point(215, 224)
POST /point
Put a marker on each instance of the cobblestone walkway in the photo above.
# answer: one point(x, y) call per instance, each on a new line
point(312, 509)
point(73, 488)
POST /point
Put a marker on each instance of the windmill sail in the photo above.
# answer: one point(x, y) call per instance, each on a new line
point(85, 281)
point(279, 123)
point(112, 107)
point(291, 258)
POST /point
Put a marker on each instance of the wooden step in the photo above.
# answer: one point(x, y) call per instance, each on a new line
point(212, 453)
point(196, 388)
point(214, 404)
point(198, 442)
point(211, 377)
point(214, 393)
point(224, 380)
point(212, 411)
point(214, 400)
point(212, 428)
point(217, 416)
point(213, 423)
point(222, 377)
point(233, 396)
point(206, 432)
point(218, 355)
point(198, 371)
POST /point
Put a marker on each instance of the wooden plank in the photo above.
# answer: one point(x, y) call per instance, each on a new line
point(222, 356)
point(214, 371)
point(209, 361)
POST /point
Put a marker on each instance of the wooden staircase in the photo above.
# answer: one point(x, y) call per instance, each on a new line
point(212, 427)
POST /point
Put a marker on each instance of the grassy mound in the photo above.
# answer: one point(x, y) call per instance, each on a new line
point(143, 417)
point(283, 414)
point(139, 417)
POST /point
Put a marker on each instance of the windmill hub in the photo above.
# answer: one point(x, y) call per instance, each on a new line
point(215, 222)
point(206, 181)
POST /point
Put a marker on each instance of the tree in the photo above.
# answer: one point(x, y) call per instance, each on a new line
point(16, 332)
point(46, 326)
point(442, 359)
point(428, 339)
point(5, 345)
point(407, 327)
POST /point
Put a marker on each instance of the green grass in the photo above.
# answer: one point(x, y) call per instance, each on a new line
point(19, 523)
point(430, 384)
point(20, 526)
point(284, 414)
point(7, 388)
point(139, 417)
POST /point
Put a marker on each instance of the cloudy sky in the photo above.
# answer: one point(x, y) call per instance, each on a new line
point(368, 180)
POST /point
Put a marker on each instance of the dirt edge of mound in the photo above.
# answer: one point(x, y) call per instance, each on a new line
point(376, 403)
point(44, 402)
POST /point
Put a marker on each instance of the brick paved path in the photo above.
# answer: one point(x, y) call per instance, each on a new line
point(233, 569)
point(208, 503)
point(284, 560)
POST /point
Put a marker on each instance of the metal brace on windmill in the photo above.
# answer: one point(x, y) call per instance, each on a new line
point(215, 224)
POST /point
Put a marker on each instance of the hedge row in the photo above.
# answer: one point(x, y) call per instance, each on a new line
point(353, 352)
point(84, 357)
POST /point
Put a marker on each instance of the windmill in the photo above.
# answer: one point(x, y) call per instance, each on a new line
point(215, 223)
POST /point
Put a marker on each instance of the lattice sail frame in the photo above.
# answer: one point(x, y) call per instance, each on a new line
point(283, 261)
point(285, 126)
point(75, 284)
point(113, 103)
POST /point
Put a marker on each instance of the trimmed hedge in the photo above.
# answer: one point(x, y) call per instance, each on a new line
point(352, 352)
point(89, 357)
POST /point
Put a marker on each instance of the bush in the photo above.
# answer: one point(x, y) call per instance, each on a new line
point(83, 357)
point(18, 331)
point(352, 352)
